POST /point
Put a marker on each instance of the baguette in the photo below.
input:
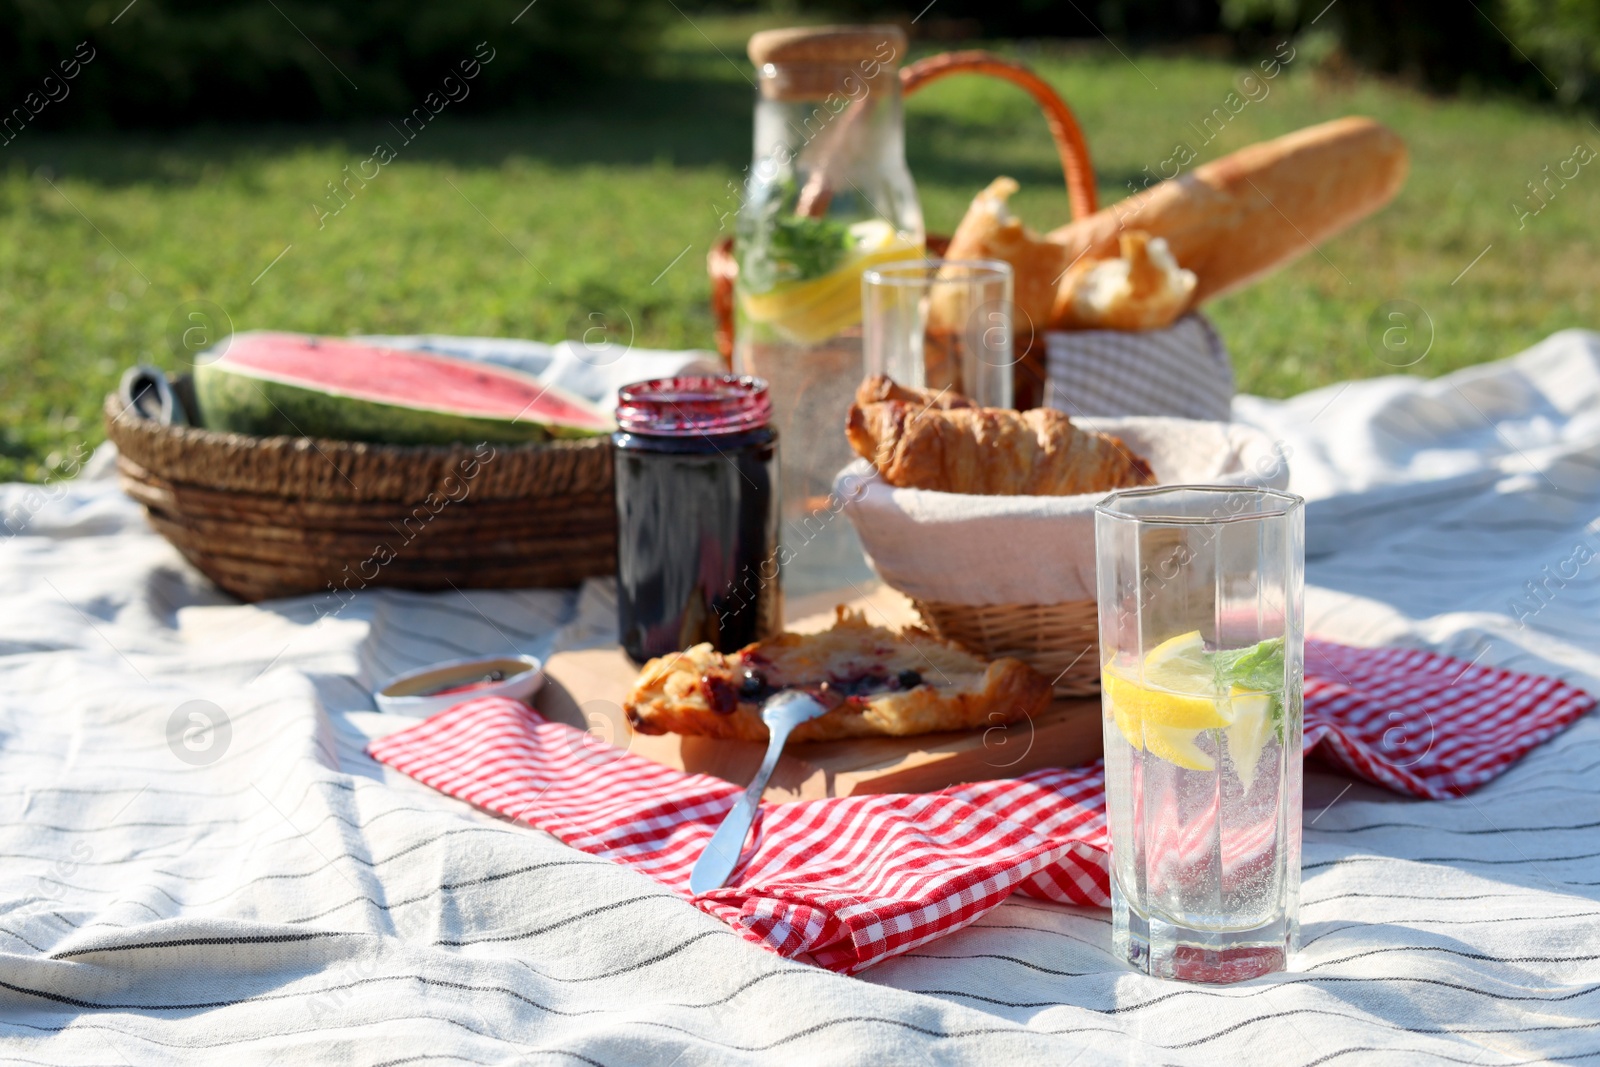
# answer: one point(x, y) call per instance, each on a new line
point(1238, 217)
point(990, 231)
point(1143, 289)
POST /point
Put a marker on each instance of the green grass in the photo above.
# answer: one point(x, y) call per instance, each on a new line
point(550, 224)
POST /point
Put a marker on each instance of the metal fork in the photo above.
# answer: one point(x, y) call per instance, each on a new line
point(782, 713)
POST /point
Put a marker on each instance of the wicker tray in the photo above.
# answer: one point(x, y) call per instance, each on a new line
point(268, 517)
point(1060, 641)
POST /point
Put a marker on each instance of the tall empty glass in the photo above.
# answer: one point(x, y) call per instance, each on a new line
point(941, 323)
point(1201, 646)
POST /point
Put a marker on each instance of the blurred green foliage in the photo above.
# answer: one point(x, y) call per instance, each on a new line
point(593, 218)
point(1563, 37)
point(155, 63)
point(1544, 48)
point(164, 63)
point(1540, 48)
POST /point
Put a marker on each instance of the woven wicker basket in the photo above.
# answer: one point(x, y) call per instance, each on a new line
point(270, 517)
point(1057, 640)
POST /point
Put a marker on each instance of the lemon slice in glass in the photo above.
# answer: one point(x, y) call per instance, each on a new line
point(1247, 736)
point(1178, 747)
point(1179, 692)
point(1176, 697)
point(1179, 687)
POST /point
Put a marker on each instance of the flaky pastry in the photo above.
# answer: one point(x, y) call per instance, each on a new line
point(917, 444)
point(875, 682)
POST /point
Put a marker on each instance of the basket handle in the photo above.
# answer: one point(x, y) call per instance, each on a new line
point(1071, 146)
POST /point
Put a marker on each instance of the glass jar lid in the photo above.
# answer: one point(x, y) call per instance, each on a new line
point(694, 404)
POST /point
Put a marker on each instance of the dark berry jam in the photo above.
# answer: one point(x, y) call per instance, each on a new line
point(720, 695)
point(697, 515)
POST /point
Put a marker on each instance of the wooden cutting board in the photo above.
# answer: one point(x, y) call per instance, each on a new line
point(587, 688)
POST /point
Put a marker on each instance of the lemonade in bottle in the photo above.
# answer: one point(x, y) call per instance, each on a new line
point(828, 197)
point(1200, 593)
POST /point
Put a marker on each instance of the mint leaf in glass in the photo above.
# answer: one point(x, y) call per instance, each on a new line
point(1258, 669)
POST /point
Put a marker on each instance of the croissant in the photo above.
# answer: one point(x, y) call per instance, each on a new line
point(991, 451)
point(882, 387)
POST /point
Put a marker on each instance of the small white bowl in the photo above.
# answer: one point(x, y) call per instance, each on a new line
point(419, 692)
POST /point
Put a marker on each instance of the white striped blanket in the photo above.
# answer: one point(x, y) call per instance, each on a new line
point(199, 865)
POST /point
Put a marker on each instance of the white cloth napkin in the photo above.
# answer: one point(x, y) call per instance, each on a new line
point(961, 548)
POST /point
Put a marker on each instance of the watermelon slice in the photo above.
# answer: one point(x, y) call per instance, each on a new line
point(285, 383)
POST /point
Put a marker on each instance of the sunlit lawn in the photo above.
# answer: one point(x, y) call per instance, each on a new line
point(600, 213)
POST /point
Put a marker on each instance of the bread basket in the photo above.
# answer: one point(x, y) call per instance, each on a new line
point(1015, 575)
point(267, 517)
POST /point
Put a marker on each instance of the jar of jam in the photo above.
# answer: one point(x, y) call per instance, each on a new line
point(697, 515)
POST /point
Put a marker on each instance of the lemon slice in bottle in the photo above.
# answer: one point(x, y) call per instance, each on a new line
point(817, 308)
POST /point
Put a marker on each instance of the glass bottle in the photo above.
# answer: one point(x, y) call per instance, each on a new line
point(828, 197)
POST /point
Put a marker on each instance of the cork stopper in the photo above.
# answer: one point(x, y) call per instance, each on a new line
point(805, 62)
point(828, 44)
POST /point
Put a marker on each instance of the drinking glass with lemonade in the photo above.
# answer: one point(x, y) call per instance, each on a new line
point(1201, 643)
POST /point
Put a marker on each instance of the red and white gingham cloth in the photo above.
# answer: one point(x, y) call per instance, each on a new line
point(1425, 724)
point(848, 882)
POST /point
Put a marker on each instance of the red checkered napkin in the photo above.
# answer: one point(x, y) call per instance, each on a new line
point(1425, 724)
point(850, 881)
point(846, 882)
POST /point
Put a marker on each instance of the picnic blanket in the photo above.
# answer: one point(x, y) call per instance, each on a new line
point(201, 865)
point(847, 882)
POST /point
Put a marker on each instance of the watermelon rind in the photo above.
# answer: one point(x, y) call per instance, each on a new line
point(247, 401)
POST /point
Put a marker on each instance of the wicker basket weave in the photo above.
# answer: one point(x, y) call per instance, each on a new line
point(1057, 640)
point(269, 517)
